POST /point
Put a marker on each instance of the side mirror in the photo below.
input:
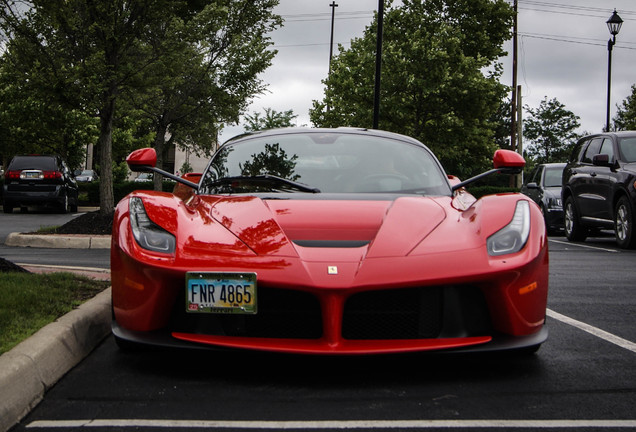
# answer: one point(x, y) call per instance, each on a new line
point(504, 161)
point(532, 185)
point(145, 159)
point(142, 160)
point(601, 160)
point(508, 161)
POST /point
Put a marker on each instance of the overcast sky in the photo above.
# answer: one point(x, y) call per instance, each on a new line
point(562, 54)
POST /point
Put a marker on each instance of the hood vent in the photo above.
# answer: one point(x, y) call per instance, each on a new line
point(331, 243)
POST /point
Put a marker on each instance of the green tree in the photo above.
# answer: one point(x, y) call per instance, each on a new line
point(433, 87)
point(271, 120)
point(207, 71)
point(625, 118)
point(38, 114)
point(142, 69)
point(92, 50)
point(550, 131)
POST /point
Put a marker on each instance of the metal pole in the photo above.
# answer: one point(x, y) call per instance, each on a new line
point(513, 99)
point(333, 6)
point(610, 45)
point(378, 63)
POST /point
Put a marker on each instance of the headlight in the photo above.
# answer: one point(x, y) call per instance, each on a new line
point(148, 234)
point(512, 237)
point(554, 203)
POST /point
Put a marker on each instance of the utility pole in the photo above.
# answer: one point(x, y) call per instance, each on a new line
point(378, 66)
point(333, 6)
point(513, 99)
point(519, 133)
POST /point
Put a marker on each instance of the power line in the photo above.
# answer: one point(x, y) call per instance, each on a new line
point(576, 40)
point(570, 7)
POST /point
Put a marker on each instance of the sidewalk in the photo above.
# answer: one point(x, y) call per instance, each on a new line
point(36, 364)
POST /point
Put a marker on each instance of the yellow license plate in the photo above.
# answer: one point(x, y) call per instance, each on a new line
point(226, 293)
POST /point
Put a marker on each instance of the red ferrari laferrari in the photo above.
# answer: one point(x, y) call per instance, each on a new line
point(328, 241)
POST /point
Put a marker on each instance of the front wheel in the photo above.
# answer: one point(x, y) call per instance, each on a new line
point(624, 224)
point(7, 207)
point(573, 229)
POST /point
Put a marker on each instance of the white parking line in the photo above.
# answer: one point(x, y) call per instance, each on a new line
point(567, 243)
point(334, 424)
point(623, 343)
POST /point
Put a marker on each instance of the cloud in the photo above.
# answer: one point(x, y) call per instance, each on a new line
point(562, 53)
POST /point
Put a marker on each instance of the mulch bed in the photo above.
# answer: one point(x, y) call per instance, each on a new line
point(8, 266)
point(89, 223)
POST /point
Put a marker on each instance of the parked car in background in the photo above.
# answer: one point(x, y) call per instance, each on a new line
point(144, 177)
point(328, 241)
point(599, 187)
point(86, 176)
point(543, 185)
point(39, 180)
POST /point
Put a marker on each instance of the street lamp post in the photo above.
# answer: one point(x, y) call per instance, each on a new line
point(614, 25)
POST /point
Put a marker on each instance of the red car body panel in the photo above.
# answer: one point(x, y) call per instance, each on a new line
point(442, 246)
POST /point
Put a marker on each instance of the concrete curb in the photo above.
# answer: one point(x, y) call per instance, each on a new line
point(35, 365)
point(58, 241)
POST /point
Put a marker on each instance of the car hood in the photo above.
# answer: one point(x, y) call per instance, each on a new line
point(553, 192)
point(630, 167)
point(290, 227)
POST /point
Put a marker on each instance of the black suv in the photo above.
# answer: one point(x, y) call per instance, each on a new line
point(599, 187)
point(39, 180)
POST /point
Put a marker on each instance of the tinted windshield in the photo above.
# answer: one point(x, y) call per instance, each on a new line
point(628, 149)
point(330, 162)
point(553, 176)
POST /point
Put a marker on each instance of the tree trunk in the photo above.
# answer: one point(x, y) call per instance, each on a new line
point(105, 142)
point(159, 145)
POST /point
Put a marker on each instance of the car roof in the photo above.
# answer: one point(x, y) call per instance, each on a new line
point(339, 130)
point(618, 134)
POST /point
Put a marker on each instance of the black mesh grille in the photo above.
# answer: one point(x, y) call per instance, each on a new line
point(408, 313)
point(414, 313)
point(282, 314)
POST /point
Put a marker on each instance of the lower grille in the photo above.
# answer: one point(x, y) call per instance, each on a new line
point(408, 313)
point(414, 313)
point(282, 314)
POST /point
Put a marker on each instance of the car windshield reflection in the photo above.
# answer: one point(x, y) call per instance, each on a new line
point(328, 162)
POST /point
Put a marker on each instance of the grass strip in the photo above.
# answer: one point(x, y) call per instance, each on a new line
point(30, 301)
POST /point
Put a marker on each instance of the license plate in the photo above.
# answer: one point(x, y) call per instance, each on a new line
point(226, 293)
point(30, 174)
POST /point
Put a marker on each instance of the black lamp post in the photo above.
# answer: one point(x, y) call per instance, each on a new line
point(614, 25)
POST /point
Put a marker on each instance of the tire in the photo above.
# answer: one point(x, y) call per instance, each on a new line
point(573, 229)
point(7, 207)
point(65, 205)
point(624, 224)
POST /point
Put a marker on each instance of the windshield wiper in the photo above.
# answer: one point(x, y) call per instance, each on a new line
point(266, 179)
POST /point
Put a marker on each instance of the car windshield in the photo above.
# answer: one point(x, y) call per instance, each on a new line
point(328, 162)
point(628, 148)
point(553, 176)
